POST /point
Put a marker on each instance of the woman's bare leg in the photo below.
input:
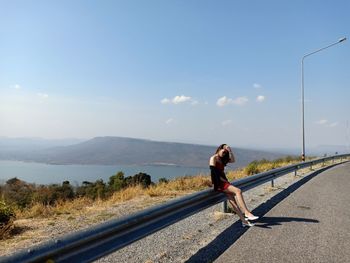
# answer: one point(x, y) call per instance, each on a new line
point(240, 200)
point(235, 207)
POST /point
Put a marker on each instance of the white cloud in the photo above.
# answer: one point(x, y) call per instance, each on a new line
point(42, 95)
point(257, 86)
point(260, 98)
point(322, 122)
point(169, 121)
point(226, 122)
point(17, 86)
point(240, 101)
point(178, 100)
point(326, 123)
point(223, 101)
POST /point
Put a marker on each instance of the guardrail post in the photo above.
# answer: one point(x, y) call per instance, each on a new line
point(224, 206)
point(272, 183)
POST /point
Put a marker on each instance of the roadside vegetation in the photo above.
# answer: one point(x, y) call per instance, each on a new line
point(21, 200)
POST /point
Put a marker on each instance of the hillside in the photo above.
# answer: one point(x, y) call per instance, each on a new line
point(129, 151)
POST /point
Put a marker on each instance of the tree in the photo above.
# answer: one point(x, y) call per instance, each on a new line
point(92, 190)
point(142, 179)
point(17, 192)
point(117, 182)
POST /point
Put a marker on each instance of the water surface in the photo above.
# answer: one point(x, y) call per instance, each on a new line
point(40, 173)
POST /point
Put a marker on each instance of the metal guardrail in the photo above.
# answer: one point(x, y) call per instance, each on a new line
point(103, 239)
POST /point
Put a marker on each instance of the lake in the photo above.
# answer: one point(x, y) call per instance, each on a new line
point(40, 173)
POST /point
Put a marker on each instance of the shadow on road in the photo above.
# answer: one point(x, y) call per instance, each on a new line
point(268, 222)
point(223, 241)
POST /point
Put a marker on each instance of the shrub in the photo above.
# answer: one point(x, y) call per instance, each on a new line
point(17, 192)
point(7, 215)
point(141, 179)
point(117, 182)
point(252, 168)
point(101, 189)
point(97, 190)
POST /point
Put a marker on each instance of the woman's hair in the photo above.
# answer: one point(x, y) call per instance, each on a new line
point(226, 158)
point(220, 147)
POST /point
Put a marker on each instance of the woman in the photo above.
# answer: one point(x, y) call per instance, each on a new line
point(217, 164)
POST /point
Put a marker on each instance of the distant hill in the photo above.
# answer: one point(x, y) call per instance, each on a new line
point(129, 151)
point(17, 148)
point(321, 150)
point(33, 143)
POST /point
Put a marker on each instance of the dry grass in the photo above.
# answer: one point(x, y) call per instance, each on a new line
point(172, 188)
point(236, 174)
point(269, 165)
point(39, 210)
point(188, 183)
point(5, 229)
point(218, 216)
point(126, 194)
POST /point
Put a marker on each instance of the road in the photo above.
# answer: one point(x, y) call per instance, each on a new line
point(311, 225)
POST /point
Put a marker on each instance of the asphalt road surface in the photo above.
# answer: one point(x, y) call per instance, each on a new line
point(311, 225)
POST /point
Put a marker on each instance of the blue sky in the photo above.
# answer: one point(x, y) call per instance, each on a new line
point(187, 71)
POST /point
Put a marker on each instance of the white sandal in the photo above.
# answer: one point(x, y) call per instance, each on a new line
point(251, 217)
point(247, 224)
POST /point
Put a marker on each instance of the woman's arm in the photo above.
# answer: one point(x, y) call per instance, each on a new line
point(231, 156)
point(215, 176)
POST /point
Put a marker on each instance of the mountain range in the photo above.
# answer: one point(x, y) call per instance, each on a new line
point(120, 151)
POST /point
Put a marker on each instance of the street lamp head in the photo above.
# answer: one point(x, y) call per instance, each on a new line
point(342, 39)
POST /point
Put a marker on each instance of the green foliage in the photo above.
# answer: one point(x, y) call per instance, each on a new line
point(117, 182)
point(6, 213)
point(101, 189)
point(49, 195)
point(142, 179)
point(7, 216)
point(17, 192)
point(43, 195)
point(252, 168)
point(22, 195)
point(96, 190)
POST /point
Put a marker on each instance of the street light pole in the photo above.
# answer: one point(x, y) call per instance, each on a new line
point(302, 92)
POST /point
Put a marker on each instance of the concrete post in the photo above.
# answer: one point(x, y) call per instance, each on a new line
point(224, 206)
